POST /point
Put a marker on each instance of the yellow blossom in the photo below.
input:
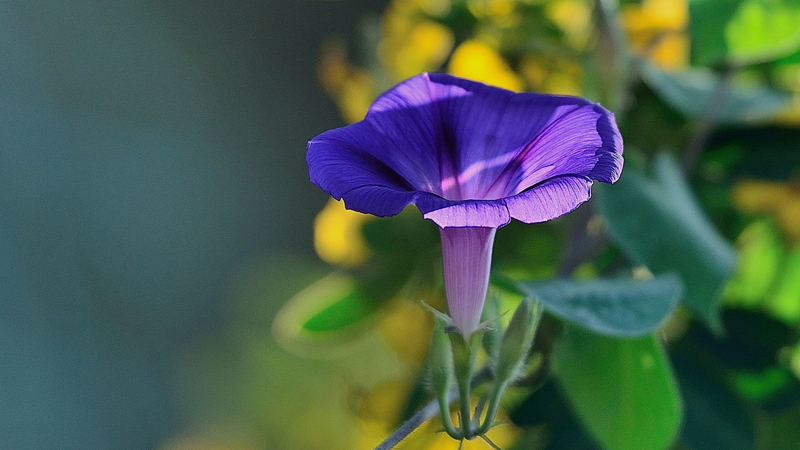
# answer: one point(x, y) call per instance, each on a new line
point(779, 200)
point(573, 17)
point(788, 77)
point(411, 43)
point(657, 28)
point(406, 329)
point(559, 76)
point(480, 62)
point(337, 235)
point(378, 409)
point(502, 13)
point(352, 88)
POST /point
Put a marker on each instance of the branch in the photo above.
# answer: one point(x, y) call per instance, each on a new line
point(426, 413)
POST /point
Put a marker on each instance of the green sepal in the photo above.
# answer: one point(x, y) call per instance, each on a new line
point(441, 360)
point(493, 335)
point(464, 355)
point(517, 340)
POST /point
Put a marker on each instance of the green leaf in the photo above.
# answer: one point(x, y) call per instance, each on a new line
point(351, 308)
point(616, 307)
point(715, 418)
point(761, 253)
point(690, 91)
point(784, 302)
point(330, 313)
point(660, 224)
point(743, 31)
point(623, 390)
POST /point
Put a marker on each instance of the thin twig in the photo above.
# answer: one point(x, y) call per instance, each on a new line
point(427, 412)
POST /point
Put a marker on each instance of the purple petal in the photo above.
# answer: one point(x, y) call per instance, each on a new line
point(466, 257)
point(509, 142)
point(468, 154)
point(551, 199)
point(463, 213)
point(571, 145)
point(340, 165)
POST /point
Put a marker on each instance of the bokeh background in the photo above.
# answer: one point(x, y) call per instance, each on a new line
point(152, 158)
point(170, 279)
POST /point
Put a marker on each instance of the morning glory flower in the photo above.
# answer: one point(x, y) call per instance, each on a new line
point(470, 157)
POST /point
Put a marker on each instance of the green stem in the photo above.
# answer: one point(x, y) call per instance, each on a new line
point(444, 411)
point(464, 355)
point(466, 422)
point(424, 414)
point(494, 404)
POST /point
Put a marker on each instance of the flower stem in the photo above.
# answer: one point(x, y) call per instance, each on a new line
point(494, 403)
point(444, 411)
point(464, 354)
point(426, 413)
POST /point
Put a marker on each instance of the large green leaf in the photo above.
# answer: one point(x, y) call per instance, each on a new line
point(617, 307)
point(715, 418)
point(329, 315)
point(659, 223)
point(623, 390)
point(691, 90)
point(784, 302)
point(743, 31)
point(761, 253)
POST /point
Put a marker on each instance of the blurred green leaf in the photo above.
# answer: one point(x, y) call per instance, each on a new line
point(332, 311)
point(751, 343)
point(769, 153)
point(616, 307)
point(623, 390)
point(547, 406)
point(779, 431)
point(715, 419)
point(760, 255)
point(763, 30)
point(760, 386)
point(404, 246)
point(346, 311)
point(784, 302)
point(659, 223)
point(690, 91)
point(743, 31)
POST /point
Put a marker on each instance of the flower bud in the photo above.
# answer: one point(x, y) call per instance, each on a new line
point(517, 340)
point(441, 360)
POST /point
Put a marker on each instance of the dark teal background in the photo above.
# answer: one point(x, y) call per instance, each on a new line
point(147, 151)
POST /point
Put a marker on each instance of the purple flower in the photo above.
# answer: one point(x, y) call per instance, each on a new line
point(471, 157)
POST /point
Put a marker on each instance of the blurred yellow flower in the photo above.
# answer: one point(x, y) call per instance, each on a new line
point(351, 87)
point(573, 17)
point(779, 200)
point(559, 76)
point(378, 410)
point(412, 43)
point(791, 114)
point(406, 329)
point(501, 13)
point(428, 437)
point(480, 62)
point(337, 235)
point(657, 29)
point(788, 77)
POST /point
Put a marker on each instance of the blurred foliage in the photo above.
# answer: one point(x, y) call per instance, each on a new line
point(703, 91)
point(699, 239)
